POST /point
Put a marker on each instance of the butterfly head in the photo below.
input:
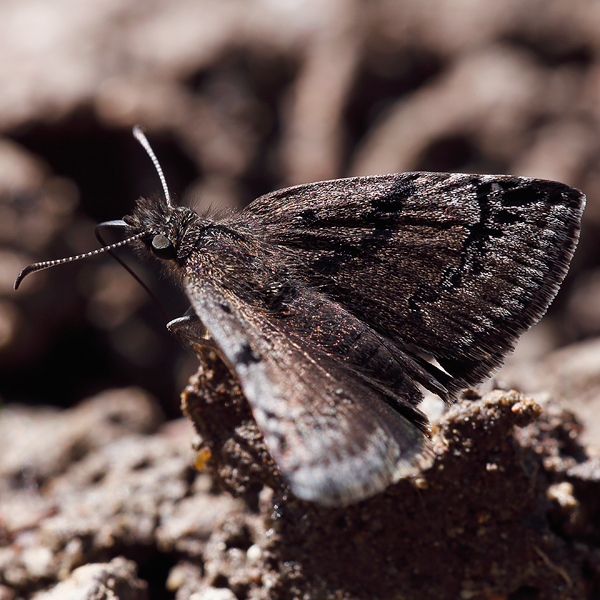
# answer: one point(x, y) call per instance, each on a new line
point(163, 230)
point(156, 225)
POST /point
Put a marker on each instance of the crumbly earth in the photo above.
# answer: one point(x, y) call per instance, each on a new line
point(507, 511)
point(484, 522)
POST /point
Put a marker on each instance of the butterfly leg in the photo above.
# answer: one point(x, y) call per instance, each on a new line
point(191, 331)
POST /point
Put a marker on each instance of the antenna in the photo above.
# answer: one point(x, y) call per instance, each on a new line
point(139, 135)
point(141, 138)
point(61, 261)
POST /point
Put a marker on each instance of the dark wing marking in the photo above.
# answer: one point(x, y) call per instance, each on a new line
point(331, 435)
point(456, 265)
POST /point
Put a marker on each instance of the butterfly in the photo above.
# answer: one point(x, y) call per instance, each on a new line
point(330, 300)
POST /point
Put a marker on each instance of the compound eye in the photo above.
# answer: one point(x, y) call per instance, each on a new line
point(162, 247)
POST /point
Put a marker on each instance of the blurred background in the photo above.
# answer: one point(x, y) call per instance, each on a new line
point(241, 97)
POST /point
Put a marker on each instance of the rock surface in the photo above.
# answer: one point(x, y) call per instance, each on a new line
point(506, 511)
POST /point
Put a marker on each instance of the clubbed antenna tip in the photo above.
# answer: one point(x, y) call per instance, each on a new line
point(139, 135)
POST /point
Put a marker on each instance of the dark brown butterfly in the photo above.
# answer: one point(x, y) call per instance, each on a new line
point(324, 299)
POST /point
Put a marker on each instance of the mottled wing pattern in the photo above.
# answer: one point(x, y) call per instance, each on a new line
point(334, 439)
point(457, 266)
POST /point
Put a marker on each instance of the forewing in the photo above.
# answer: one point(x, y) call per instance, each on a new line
point(456, 265)
point(333, 438)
